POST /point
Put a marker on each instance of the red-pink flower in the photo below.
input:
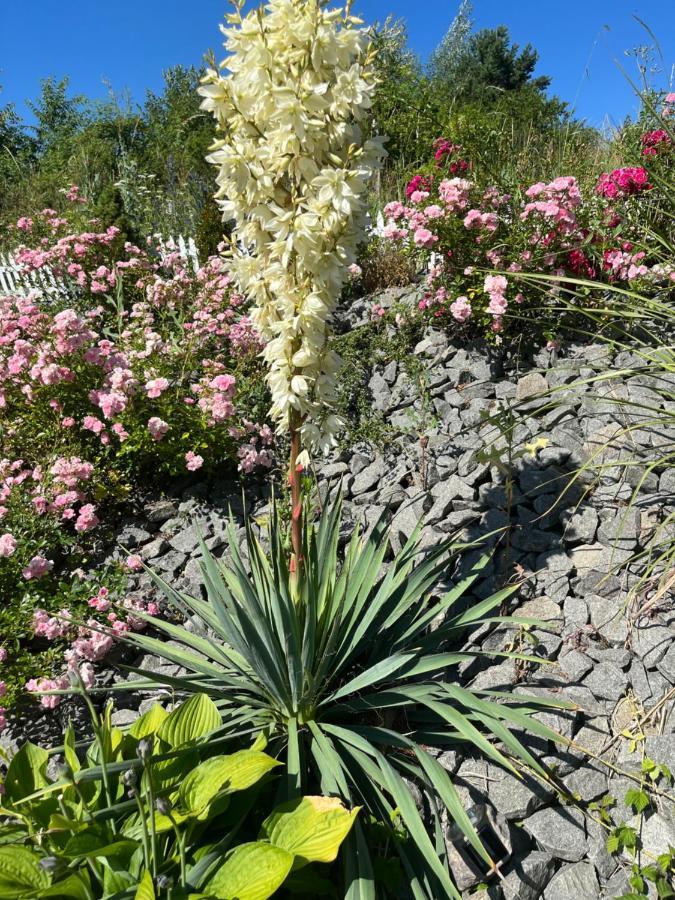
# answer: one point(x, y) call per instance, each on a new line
point(623, 182)
point(655, 142)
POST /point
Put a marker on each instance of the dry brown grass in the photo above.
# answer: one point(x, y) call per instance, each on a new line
point(386, 266)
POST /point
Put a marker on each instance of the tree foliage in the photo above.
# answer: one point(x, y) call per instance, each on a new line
point(141, 167)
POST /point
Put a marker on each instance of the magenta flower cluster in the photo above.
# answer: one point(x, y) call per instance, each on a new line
point(460, 229)
point(623, 182)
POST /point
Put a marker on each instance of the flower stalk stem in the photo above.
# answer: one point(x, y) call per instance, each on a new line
point(294, 479)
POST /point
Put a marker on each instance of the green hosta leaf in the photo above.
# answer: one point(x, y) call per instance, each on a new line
point(91, 845)
point(58, 822)
point(75, 887)
point(149, 723)
point(168, 774)
point(235, 772)
point(20, 873)
point(69, 751)
point(116, 881)
point(145, 891)
point(251, 872)
point(191, 720)
point(133, 827)
point(26, 773)
point(311, 828)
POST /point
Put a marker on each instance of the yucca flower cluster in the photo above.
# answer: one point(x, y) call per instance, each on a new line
point(291, 101)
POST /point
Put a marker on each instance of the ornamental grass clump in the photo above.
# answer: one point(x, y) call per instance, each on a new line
point(292, 101)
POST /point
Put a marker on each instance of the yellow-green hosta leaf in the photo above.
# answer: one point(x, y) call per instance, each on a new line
point(20, 873)
point(115, 881)
point(168, 774)
point(311, 828)
point(89, 844)
point(191, 720)
point(234, 772)
point(145, 891)
point(149, 722)
point(59, 822)
point(133, 827)
point(251, 872)
point(116, 740)
point(260, 743)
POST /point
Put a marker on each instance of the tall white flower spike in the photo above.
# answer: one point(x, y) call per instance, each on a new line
point(290, 101)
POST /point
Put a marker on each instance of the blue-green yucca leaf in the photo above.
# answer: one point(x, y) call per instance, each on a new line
point(526, 702)
point(427, 696)
point(191, 661)
point(359, 875)
point(333, 774)
point(292, 786)
point(421, 622)
point(384, 669)
point(214, 651)
point(370, 782)
point(253, 633)
point(389, 779)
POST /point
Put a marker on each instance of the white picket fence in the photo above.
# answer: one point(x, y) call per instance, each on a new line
point(16, 282)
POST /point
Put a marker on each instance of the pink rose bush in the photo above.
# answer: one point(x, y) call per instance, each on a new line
point(125, 373)
point(140, 367)
point(473, 240)
point(86, 642)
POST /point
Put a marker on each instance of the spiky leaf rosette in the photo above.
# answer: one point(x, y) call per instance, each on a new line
point(349, 682)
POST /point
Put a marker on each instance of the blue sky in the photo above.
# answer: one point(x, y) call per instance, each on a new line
point(127, 43)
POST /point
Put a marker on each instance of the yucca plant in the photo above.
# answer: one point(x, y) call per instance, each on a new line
point(350, 682)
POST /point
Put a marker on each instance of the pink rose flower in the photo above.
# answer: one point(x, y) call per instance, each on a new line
point(461, 309)
point(134, 562)
point(37, 567)
point(193, 461)
point(157, 427)
point(424, 238)
point(8, 544)
point(87, 518)
point(156, 386)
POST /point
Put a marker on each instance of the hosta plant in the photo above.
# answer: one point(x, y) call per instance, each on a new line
point(156, 812)
point(351, 683)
